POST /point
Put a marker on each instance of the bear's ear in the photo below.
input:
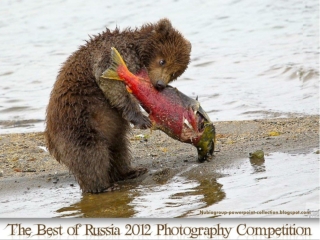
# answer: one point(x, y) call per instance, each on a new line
point(163, 26)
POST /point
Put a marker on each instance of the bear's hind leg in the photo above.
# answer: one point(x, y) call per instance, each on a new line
point(121, 161)
point(91, 167)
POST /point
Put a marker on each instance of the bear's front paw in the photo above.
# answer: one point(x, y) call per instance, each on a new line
point(143, 123)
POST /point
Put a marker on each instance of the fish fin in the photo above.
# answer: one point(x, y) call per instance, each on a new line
point(154, 123)
point(112, 71)
point(153, 127)
point(128, 89)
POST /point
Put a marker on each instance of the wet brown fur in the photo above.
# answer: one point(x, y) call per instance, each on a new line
point(87, 128)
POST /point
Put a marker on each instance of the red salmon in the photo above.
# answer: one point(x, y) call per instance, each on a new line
point(171, 111)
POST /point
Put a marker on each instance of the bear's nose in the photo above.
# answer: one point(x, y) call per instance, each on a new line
point(160, 85)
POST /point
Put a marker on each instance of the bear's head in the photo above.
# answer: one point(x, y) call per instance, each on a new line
point(167, 54)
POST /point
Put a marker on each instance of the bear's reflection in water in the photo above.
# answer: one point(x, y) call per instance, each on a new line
point(175, 198)
point(109, 204)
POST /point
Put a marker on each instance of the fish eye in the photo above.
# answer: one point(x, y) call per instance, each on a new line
point(162, 62)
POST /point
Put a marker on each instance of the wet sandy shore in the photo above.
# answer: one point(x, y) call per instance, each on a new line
point(25, 162)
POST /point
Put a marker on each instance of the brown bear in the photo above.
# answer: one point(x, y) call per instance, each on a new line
point(87, 129)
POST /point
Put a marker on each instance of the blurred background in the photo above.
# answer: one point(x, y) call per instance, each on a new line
point(250, 59)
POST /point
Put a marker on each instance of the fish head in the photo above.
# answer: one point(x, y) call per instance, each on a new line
point(205, 142)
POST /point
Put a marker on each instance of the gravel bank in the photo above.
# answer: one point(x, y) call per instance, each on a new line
point(24, 156)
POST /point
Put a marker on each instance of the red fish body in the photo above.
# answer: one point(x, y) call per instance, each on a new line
point(171, 111)
point(166, 109)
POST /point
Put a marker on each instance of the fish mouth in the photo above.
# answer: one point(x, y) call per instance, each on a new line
point(200, 121)
point(203, 138)
point(201, 118)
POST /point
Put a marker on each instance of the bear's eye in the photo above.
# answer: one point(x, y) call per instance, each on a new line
point(162, 62)
point(173, 74)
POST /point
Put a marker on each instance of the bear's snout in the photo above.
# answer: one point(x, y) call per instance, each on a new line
point(160, 85)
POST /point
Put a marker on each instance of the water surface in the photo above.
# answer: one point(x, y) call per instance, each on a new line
point(250, 59)
point(282, 182)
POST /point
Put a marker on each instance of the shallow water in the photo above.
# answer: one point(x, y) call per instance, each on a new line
point(250, 59)
point(283, 182)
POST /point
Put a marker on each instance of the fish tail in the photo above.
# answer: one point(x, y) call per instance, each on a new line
point(117, 61)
